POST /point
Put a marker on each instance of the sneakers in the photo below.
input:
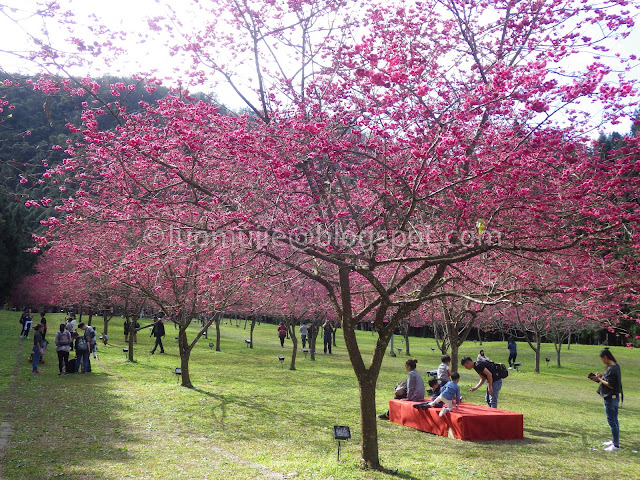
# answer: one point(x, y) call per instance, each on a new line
point(611, 448)
point(607, 443)
point(36, 371)
point(423, 405)
point(384, 416)
point(444, 411)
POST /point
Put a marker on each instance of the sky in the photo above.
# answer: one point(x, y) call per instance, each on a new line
point(142, 54)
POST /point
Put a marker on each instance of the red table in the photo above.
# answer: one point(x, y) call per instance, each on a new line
point(467, 422)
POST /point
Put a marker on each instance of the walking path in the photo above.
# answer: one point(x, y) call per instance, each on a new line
point(5, 428)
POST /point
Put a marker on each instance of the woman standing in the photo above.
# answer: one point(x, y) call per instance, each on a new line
point(63, 347)
point(610, 389)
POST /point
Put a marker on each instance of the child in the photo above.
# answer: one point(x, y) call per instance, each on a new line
point(447, 393)
point(434, 392)
point(444, 372)
point(434, 388)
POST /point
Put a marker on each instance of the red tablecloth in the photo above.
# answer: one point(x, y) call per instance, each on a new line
point(467, 422)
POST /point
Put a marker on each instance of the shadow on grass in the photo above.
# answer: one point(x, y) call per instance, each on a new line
point(52, 415)
point(553, 434)
point(401, 474)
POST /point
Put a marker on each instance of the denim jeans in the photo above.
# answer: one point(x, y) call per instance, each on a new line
point(492, 400)
point(82, 361)
point(611, 410)
point(36, 359)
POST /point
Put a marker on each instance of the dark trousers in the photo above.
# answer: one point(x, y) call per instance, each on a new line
point(25, 331)
point(282, 341)
point(63, 360)
point(327, 343)
point(512, 358)
point(304, 341)
point(158, 344)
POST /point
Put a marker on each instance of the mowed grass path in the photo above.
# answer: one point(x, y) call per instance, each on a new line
point(248, 418)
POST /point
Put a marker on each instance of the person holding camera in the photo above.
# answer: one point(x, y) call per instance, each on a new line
point(610, 389)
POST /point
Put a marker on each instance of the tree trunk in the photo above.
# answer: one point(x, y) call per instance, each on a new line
point(217, 320)
point(105, 330)
point(90, 317)
point(80, 314)
point(537, 352)
point(131, 330)
point(251, 328)
point(367, 379)
point(406, 342)
point(185, 352)
point(558, 346)
point(294, 351)
point(313, 337)
point(368, 421)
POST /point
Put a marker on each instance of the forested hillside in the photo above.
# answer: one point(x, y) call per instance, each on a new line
point(31, 124)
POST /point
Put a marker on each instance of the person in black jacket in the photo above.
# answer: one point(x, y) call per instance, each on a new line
point(610, 389)
point(487, 373)
point(158, 332)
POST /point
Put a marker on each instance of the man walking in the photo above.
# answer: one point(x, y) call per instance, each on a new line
point(158, 332)
point(303, 334)
point(487, 372)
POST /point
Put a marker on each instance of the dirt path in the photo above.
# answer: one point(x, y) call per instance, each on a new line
point(6, 429)
point(262, 471)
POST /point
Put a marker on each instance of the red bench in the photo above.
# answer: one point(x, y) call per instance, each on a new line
point(466, 422)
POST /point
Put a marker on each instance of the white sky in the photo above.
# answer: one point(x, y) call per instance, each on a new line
point(144, 55)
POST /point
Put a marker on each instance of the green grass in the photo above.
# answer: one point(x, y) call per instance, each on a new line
point(249, 418)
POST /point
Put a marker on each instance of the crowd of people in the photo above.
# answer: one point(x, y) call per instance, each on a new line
point(306, 331)
point(80, 339)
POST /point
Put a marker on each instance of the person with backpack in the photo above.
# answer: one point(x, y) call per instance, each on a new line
point(487, 372)
point(82, 353)
point(63, 347)
point(90, 337)
point(158, 332)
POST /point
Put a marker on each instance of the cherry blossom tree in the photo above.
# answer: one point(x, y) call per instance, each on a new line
point(404, 141)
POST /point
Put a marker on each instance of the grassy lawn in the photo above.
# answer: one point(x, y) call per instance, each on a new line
point(248, 418)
